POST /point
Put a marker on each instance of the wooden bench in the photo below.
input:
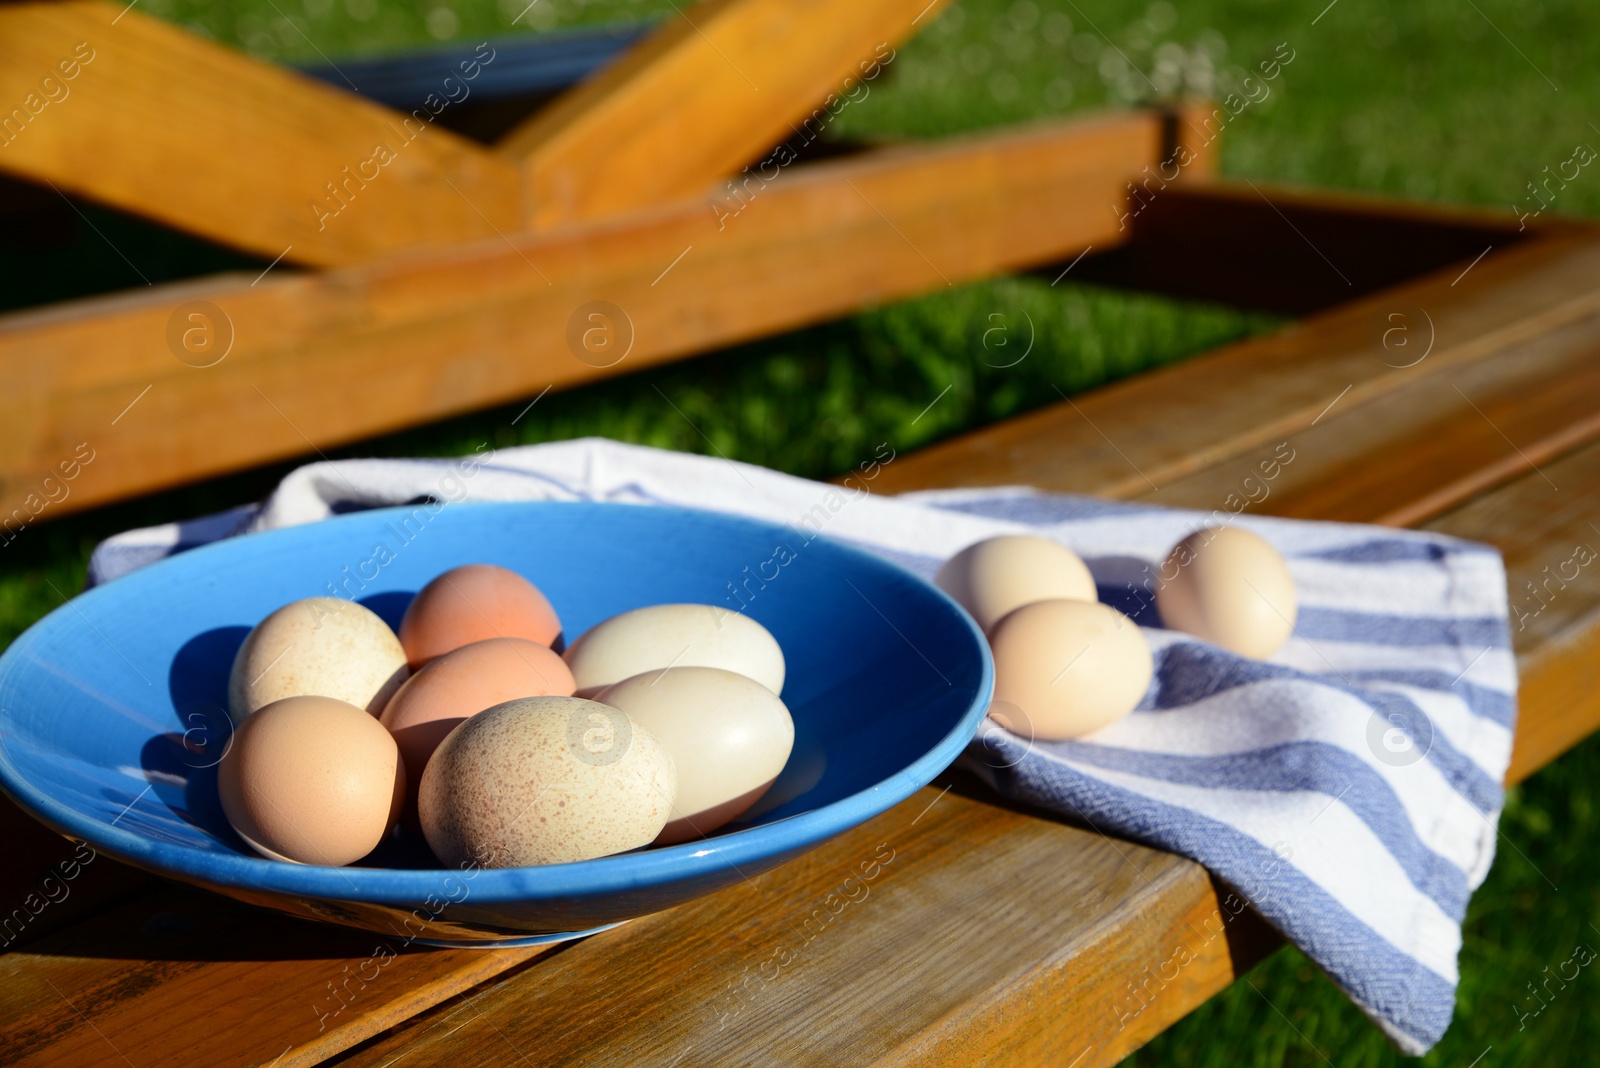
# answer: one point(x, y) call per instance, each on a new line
point(1483, 424)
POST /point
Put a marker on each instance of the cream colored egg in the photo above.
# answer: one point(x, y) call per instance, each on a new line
point(311, 780)
point(729, 737)
point(674, 635)
point(1231, 588)
point(545, 780)
point(321, 646)
point(1065, 668)
point(992, 577)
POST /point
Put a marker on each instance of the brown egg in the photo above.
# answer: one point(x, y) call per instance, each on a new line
point(312, 780)
point(473, 603)
point(324, 646)
point(1065, 668)
point(1230, 587)
point(462, 683)
point(545, 780)
point(994, 576)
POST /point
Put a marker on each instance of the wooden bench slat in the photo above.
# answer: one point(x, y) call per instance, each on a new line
point(1547, 524)
point(719, 84)
point(164, 123)
point(429, 335)
point(259, 988)
point(1160, 427)
point(1467, 429)
point(789, 969)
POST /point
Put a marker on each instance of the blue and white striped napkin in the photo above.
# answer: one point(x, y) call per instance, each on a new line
point(1348, 789)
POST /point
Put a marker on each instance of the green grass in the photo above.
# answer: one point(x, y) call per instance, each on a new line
point(1439, 99)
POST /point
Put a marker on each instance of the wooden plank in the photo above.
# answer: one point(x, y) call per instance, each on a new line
point(1164, 426)
point(1547, 524)
point(427, 335)
point(1481, 425)
point(824, 961)
point(160, 122)
point(153, 981)
point(1293, 251)
point(711, 91)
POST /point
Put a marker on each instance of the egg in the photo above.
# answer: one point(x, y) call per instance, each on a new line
point(674, 635)
point(321, 646)
point(473, 603)
point(1065, 668)
point(992, 577)
point(312, 780)
point(1231, 588)
point(462, 683)
point(545, 780)
point(729, 737)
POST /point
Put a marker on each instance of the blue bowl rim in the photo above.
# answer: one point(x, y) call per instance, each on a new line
point(602, 875)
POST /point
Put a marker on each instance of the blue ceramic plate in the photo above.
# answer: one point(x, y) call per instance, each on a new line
point(112, 708)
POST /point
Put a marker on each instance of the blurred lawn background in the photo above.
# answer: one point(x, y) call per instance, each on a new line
point(1461, 101)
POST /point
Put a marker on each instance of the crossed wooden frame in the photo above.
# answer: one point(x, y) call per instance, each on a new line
point(448, 279)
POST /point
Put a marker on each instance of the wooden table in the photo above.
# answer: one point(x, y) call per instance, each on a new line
point(1492, 434)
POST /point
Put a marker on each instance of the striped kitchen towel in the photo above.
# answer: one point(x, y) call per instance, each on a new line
point(1348, 789)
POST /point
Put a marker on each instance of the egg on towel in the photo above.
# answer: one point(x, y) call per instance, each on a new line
point(994, 576)
point(729, 737)
point(1231, 588)
point(1065, 668)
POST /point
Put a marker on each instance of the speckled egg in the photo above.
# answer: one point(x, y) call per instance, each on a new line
point(994, 576)
point(462, 683)
point(473, 603)
point(729, 736)
point(321, 646)
point(674, 635)
point(311, 780)
point(545, 780)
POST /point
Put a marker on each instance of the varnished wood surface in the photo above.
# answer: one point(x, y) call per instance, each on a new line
point(715, 88)
point(164, 123)
point(865, 952)
point(1137, 436)
point(1547, 524)
point(184, 977)
point(326, 358)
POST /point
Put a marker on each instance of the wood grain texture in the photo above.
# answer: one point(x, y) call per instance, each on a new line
point(719, 84)
point(947, 931)
point(1288, 250)
point(1427, 445)
point(183, 977)
point(320, 359)
point(1547, 524)
point(1137, 436)
point(163, 123)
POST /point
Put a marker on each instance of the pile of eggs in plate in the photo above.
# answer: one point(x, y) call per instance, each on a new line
point(658, 725)
point(1065, 664)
